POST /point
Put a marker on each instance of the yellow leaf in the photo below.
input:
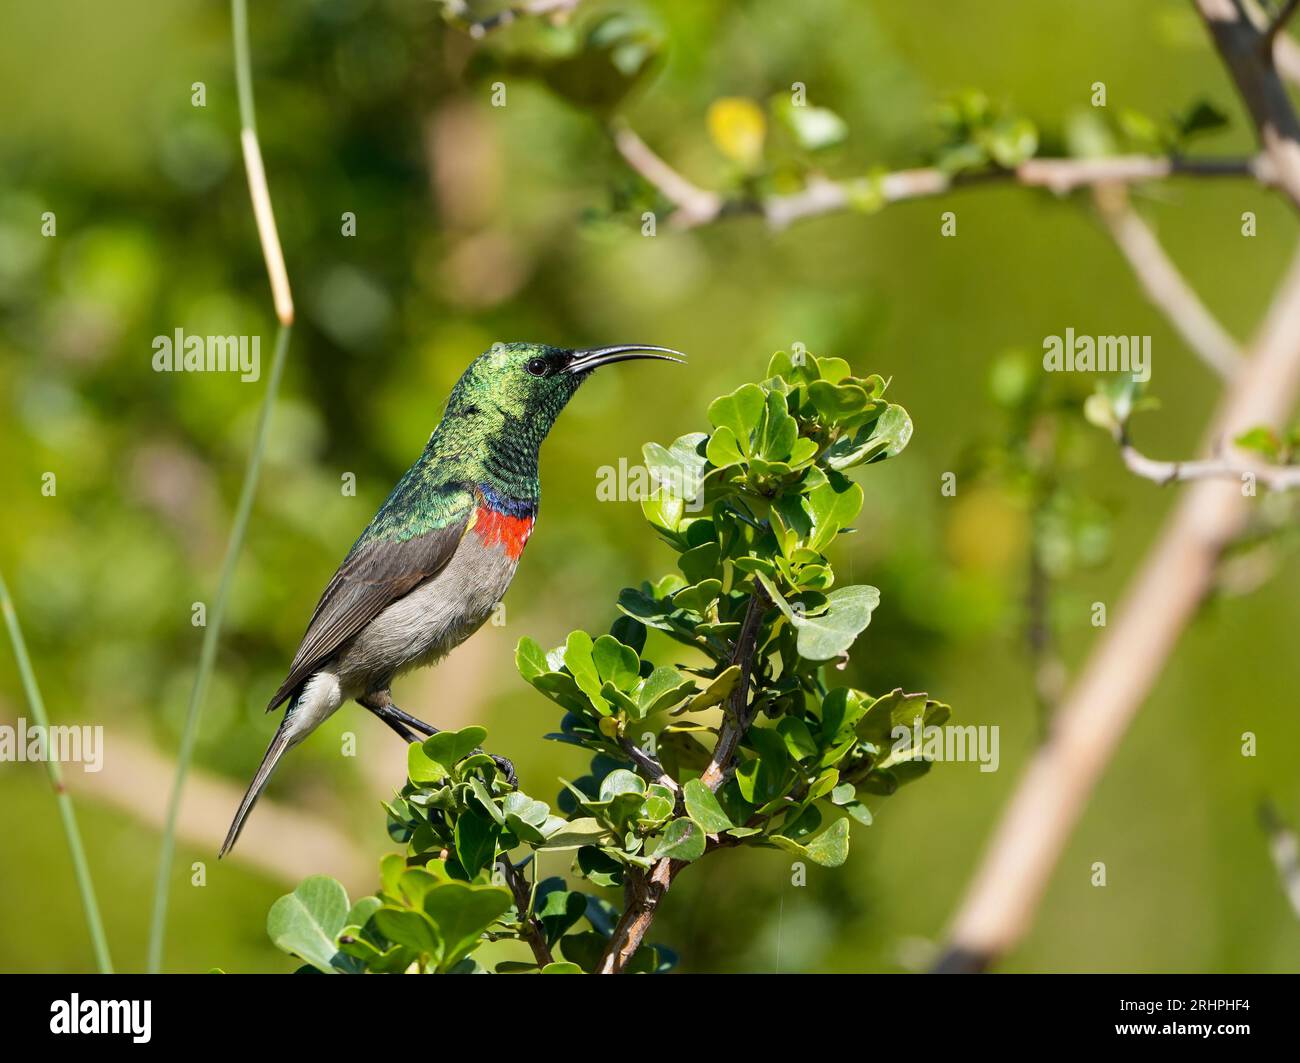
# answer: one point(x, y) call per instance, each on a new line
point(737, 127)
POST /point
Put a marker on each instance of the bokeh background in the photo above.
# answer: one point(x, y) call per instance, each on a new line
point(476, 224)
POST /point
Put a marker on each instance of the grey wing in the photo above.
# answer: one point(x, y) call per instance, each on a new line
point(374, 575)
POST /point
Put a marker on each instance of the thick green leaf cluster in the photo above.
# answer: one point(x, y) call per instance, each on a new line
point(752, 509)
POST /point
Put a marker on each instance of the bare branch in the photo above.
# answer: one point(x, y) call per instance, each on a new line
point(533, 930)
point(1164, 285)
point(696, 206)
point(1247, 51)
point(1176, 575)
point(650, 767)
point(643, 891)
point(1283, 16)
point(739, 717)
point(1275, 477)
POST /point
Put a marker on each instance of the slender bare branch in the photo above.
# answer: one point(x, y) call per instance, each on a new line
point(738, 718)
point(1275, 477)
point(1164, 285)
point(533, 931)
point(695, 206)
point(650, 767)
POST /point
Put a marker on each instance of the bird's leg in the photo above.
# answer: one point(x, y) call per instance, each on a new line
point(412, 722)
point(381, 704)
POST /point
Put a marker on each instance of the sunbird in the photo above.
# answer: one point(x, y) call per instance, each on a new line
point(438, 556)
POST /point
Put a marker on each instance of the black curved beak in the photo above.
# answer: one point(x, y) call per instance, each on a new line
point(594, 357)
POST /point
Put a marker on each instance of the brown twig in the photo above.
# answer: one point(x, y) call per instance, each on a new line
point(738, 716)
point(1280, 20)
point(642, 891)
point(1247, 50)
point(533, 931)
point(650, 767)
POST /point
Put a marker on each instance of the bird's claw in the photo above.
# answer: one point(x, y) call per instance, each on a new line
point(507, 769)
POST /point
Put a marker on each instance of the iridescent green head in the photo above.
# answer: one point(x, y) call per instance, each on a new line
point(506, 402)
point(519, 389)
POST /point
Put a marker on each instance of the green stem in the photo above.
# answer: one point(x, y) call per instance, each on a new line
point(79, 865)
point(208, 651)
point(212, 632)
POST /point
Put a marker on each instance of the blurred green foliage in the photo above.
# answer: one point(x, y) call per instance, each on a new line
point(477, 223)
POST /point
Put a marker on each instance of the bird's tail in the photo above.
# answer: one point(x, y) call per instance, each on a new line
point(279, 745)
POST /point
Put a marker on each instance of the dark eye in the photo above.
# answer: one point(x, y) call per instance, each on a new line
point(537, 367)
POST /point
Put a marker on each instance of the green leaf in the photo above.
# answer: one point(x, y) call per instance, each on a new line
point(830, 634)
point(1262, 440)
point(837, 402)
point(798, 739)
point(420, 769)
point(530, 659)
point(832, 506)
point(698, 598)
point(562, 967)
point(663, 688)
point(813, 127)
point(411, 929)
point(574, 833)
point(476, 839)
point(306, 922)
point(739, 413)
point(621, 781)
point(718, 690)
point(462, 913)
point(679, 470)
point(447, 748)
point(578, 650)
point(559, 911)
point(683, 839)
point(702, 806)
point(723, 449)
point(616, 663)
point(829, 849)
point(779, 430)
point(883, 438)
